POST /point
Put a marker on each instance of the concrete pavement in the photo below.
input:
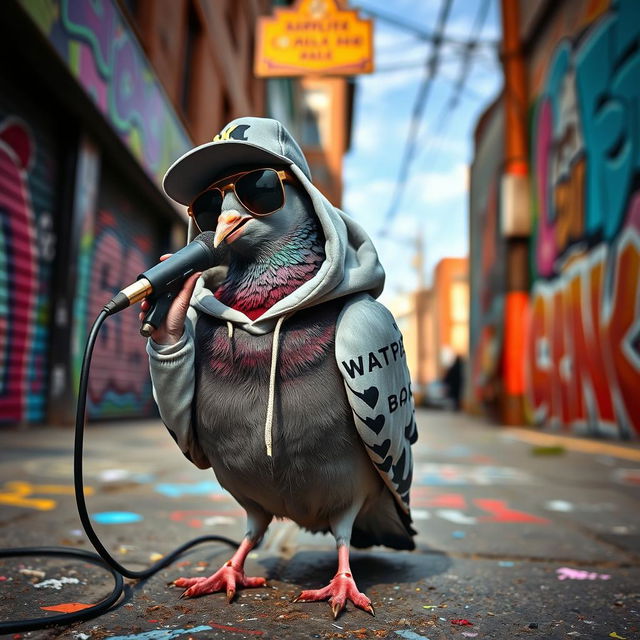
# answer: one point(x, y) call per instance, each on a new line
point(519, 535)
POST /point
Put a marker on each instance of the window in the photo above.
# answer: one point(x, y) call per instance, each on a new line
point(315, 117)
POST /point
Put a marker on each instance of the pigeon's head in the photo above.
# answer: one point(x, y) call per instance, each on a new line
point(250, 209)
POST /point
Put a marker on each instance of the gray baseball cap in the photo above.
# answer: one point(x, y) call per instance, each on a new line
point(244, 141)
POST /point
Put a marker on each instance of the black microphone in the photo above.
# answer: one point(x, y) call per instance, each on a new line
point(163, 281)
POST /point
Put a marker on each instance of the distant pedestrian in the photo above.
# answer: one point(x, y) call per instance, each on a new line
point(453, 382)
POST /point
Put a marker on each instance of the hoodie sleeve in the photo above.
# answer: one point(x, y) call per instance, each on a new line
point(371, 358)
point(172, 369)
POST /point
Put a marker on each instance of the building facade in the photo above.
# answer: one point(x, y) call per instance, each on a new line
point(581, 346)
point(435, 325)
point(487, 267)
point(105, 97)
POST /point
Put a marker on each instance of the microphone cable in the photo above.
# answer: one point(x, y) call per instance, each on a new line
point(103, 558)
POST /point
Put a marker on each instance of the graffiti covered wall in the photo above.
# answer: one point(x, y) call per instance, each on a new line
point(584, 334)
point(487, 265)
point(96, 44)
point(114, 249)
point(28, 180)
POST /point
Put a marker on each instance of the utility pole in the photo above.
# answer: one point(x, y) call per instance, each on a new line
point(515, 215)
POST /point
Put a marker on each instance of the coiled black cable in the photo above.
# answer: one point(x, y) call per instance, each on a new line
point(30, 624)
point(104, 558)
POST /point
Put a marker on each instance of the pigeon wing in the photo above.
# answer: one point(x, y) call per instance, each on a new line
point(371, 358)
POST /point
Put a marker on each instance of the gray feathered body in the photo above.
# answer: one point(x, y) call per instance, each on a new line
point(319, 466)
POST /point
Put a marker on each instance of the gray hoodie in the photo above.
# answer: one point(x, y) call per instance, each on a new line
point(368, 348)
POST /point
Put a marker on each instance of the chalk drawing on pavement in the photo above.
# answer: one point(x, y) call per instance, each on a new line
point(455, 508)
point(21, 494)
point(567, 573)
point(627, 476)
point(458, 474)
point(177, 490)
point(116, 517)
point(198, 518)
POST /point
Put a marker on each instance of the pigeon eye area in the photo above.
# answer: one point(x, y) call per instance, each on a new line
point(260, 191)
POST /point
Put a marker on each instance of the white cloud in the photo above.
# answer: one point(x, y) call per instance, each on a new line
point(438, 143)
point(379, 86)
point(367, 134)
point(461, 27)
point(435, 187)
point(360, 200)
point(388, 43)
point(374, 132)
point(353, 173)
point(485, 84)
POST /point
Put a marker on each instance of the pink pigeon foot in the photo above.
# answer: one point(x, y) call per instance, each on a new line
point(228, 578)
point(338, 591)
point(341, 588)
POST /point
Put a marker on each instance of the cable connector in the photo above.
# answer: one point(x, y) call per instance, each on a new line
point(119, 302)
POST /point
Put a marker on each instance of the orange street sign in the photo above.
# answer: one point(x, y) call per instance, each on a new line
point(314, 37)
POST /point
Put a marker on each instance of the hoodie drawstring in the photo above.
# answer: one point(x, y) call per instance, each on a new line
point(229, 329)
point(268, 425)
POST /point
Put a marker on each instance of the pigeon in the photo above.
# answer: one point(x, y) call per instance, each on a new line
point(280, 370)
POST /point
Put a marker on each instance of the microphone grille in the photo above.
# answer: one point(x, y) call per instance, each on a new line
point(207, 238)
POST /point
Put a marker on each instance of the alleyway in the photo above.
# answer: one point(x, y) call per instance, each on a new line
point(519, 535)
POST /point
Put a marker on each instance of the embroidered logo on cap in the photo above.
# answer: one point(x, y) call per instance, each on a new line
point(236, 132)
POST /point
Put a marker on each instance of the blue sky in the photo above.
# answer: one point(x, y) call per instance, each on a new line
point(435, 200)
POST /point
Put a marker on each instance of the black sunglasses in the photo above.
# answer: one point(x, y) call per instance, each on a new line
point(260, 191)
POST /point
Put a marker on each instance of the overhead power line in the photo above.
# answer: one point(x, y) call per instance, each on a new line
point(467, 56)
point(444, 119)
point(431, 69)
point(418, 32)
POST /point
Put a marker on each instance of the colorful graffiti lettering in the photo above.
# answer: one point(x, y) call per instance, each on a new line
point(100, 50)
point(584, 337)
point(113, 265)
point(119, 384)
point(583, 344)
point(26, 246)
point(17, 295)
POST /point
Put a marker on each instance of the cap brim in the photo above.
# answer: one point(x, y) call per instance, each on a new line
point(196, 170)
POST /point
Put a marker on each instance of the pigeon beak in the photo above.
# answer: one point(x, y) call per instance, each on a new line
point(228, 223)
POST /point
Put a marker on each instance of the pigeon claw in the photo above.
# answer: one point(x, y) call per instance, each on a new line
point(338, 591)
point(227, 579)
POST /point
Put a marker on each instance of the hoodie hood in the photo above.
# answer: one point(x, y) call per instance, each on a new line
point(351, 266)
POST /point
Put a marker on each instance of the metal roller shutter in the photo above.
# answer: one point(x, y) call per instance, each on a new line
point(29, 172)
point(125, 241)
